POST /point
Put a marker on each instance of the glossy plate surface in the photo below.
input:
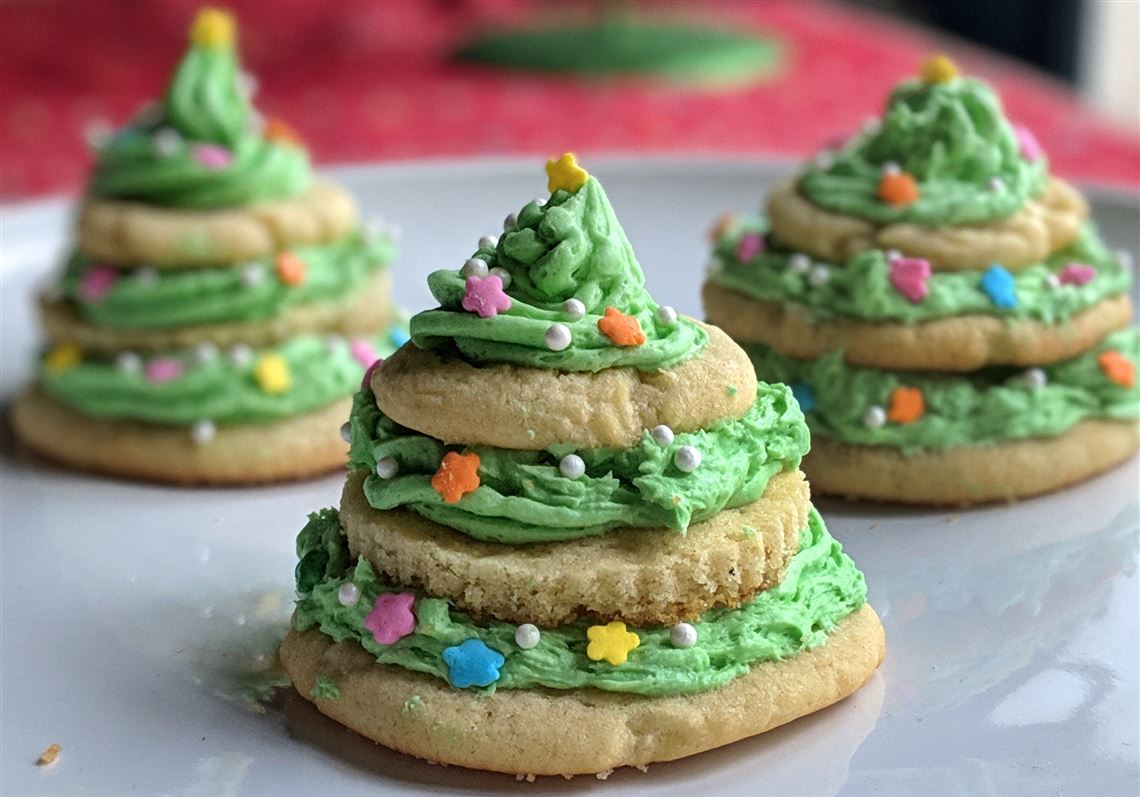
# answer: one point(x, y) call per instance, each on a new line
point(136, 621)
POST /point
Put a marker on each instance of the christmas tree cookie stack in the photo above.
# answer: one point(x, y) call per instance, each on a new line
point(221, 304)
point(953, 325)
point(575, 536)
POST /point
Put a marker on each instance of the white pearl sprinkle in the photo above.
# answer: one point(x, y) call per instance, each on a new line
point(387, 468)
point(1035, 378)
point(128, 362)
point(205, 352)
point(874, 417)
point(687, 459)
point(346, 432)
point(348, 594)
point(527, 636)
point(893, 254)
point(574, 309)
point(1124, 258)
point(147, 275)
point(202, 432)
point(474, 267)
point(799, 263)
point(572, 466)
point(662, 435)
point(241, 355)
point(252, 274)
point(335, 343)
point(558, 337)
point(488, 242)
point(819, 275)
point(872, 125)
point(166, 141)
point(541, 202)
point(996, 184)
point(683, 635)
point(98, 133)
point(666, 315)
point(503, 275)
point(510, 222)
point(890, 167)
point(823, 160)
point(1052, 282)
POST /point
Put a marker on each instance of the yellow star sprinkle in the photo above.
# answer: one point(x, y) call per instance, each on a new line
point(565, 173)
point(62, 357)
point(938, 69)
point(213, 28)
point(272, 374)
point(611, 642)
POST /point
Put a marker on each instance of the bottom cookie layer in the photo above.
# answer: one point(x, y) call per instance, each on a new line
point(546, 732)
point(292, 448)
point(970, 474)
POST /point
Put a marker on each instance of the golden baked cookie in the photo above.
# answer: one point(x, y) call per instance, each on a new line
point(549, 732)
point(132, 233)
point(292, 448)
point(365, 312)
point(643, 576)
point(1044, 225)
point(962, 343)
point(970, 474)
point(532, 409)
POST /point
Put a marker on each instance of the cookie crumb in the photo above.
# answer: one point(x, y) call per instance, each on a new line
point(413, 703)
point(643, 767)
point(732, 390)
point(48, 756)
point(604, 775)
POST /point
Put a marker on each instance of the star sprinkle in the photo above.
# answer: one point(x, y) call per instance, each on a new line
point(97, 282)
point(1117, 367)
point(391, 618)
point(910, 276)
point(622, 329)
point(1027, 143)
point(290, 268)
point(804, 395)
point(1076, 274)
point(722, 226)
point(211, 156)
point(162, 370)
point(611, 642)
point(63, 357)
point(363, 352)
point(907, 405)
point(997, 283)
point(565, 174)
point(484, 296)
point(897, 188)
point(749, 245)
point(458, 475)
point(279, 132)
point(938, 69)
point(272, 374)
point(213, 28)
point(472, 663)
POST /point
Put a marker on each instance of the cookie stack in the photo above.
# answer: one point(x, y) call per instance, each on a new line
point(575, 536)
point(220, 305)
point(944, 309)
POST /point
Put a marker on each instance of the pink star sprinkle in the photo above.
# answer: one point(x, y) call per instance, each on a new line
point(97, 282)
point(164, 369)
point(909, 275)
point(485, 296)
point(363, 352)
point(391, 617)
point(750, 245)
point(1077, 274)
point(212, 156)
point(1027, 143)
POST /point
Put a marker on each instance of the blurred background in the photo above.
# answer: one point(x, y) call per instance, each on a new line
point(381, 80)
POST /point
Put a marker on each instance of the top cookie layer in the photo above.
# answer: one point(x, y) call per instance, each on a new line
point(506, 406)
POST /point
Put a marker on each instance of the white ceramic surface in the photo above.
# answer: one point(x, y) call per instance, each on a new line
point(134, 620)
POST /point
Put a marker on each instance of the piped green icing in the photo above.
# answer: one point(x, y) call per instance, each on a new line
point(953, 138)
point(994, 405)
point(159, 158)
point(570, 247)
point(862, 289)
point(820, 587)
point(183, 297)
point(523, 498)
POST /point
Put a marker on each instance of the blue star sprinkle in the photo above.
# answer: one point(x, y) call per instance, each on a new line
point(472, 663)
point(398, 336)
point(805, 396)
point(998, 285)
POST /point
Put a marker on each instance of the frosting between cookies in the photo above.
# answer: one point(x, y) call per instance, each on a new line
point(523, 497)
point(820, 587)
point(991, 406)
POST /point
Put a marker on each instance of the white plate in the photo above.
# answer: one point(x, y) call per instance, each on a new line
point(134, 617)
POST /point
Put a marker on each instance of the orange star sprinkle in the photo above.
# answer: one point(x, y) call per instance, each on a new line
point(938, 69)
point(290, 268)
point(622, 329)
point(565, 173)
point(722, 226)
point(907, 405)
point(898, 189)
point(1118, 368)
point(280, 132)
point(458, 475)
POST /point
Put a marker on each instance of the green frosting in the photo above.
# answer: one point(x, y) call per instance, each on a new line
point(185, 297)
point(952, 138)
point(994, 405)
point(216, 386)
point(168, 160)
point(570, 247)
point(862, 289)
point(524, 498)
point(821, 586)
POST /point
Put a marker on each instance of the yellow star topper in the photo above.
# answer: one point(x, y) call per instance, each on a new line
point(565, 173)
point(611, 642)
point(938, 69)
point(213, 28)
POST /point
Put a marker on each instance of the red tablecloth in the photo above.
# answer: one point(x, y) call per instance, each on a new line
point(365, 81)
